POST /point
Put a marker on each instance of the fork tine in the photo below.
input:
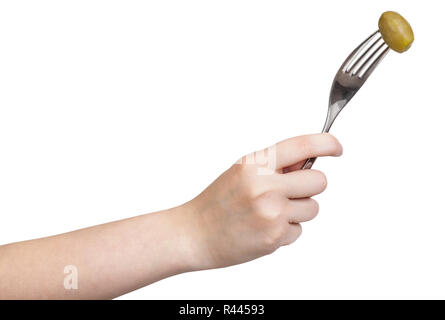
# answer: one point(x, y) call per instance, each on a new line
point(374, 64)
point(362, 56)
point(358, 71)
point(356, 51)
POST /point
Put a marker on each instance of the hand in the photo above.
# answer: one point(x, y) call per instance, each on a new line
point(258, 204)
point(250, 210)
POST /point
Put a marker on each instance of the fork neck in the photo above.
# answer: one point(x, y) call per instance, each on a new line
point(333, 111)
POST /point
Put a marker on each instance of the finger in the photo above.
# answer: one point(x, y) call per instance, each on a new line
point(302, 183)
point(291, 151)
point(292, 234)
point(301, 210)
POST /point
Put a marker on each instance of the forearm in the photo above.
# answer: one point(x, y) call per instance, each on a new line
point(111, 259)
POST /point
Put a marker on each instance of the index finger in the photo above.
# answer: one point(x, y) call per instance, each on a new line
point(293, 150)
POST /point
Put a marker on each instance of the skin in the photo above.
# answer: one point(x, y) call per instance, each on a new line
point(396, 31)
point(241, 216)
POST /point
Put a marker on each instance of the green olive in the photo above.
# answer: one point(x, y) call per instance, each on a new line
point(396, 31)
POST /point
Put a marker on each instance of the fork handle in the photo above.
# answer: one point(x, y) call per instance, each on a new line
point(308, 164)
point(332, 114)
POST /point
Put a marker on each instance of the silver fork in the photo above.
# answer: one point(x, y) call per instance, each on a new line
point(352, 74)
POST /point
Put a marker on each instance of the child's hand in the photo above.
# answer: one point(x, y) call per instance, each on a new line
point(257, 205)
point(249, 211)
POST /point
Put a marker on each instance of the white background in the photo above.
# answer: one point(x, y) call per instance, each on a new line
point(110, 109)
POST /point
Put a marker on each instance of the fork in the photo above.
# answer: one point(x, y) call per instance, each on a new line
point(352, 74)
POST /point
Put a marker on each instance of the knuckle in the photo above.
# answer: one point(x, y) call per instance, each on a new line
point(247, 180)
point(251, 191)
point(267, 216)
point(272, 240)
point(243, 169)
point(268, 206)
